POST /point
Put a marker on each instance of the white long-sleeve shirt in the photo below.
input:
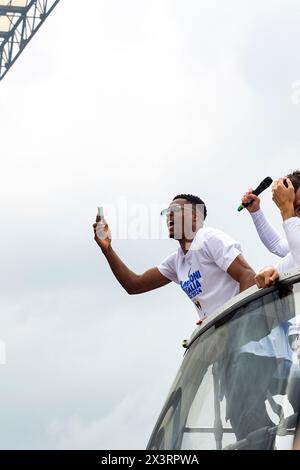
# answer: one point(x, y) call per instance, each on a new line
point(276, 344)
point(292, 230)
point(269, 235)
point(288, 249)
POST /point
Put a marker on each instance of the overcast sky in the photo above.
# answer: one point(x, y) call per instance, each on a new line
point(139, 100)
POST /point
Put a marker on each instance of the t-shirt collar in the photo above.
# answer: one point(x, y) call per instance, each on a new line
point(190, 248)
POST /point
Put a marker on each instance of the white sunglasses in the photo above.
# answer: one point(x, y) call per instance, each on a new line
point(176, 208)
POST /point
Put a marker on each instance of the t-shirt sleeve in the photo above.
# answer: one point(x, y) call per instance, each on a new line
point(222, 249)
point(168, 268)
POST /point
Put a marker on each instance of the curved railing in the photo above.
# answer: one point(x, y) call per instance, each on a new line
point(239, 383)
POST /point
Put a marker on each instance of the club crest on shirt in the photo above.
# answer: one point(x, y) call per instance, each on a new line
point(192, 286)
point(198, 305)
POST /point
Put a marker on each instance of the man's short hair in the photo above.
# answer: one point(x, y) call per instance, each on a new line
point(196, 200)
point(295, 179)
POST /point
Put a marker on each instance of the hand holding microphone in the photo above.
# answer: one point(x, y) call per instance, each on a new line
point(250, 200)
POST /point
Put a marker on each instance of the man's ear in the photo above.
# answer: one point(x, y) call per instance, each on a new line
point(198, 218)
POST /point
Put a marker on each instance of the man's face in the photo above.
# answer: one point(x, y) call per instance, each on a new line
point(182, 219)
point(297, 203)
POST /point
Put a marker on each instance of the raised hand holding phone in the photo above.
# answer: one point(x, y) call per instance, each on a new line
point(100, 213)
point(102, 231)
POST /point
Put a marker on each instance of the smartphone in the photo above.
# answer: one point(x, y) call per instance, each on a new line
point(285, 183)
point(100, 213)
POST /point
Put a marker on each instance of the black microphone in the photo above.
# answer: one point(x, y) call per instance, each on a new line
point(260, 188)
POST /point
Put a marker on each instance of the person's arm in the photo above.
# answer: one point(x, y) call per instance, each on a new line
point(133, 283)
point(242, 272)
point(266, 232)
point(268, 276)
point(269, 235)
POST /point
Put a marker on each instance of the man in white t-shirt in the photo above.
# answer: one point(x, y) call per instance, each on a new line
point(208, 265)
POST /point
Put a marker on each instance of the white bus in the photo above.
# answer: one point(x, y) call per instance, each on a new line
point(239, 383)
